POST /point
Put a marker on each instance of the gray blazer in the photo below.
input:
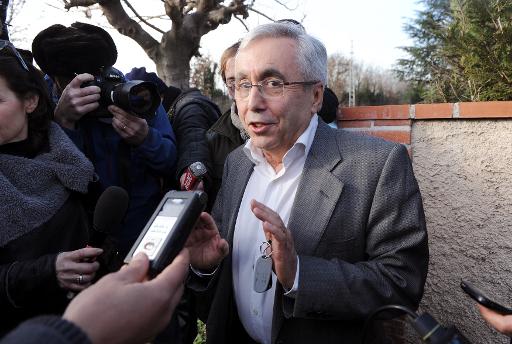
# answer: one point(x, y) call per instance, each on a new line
point(359, 230)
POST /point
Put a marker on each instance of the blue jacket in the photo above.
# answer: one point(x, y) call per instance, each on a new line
point(145, 166)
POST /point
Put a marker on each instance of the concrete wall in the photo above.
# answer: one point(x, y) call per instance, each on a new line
point(464, 169)
point(462, 157)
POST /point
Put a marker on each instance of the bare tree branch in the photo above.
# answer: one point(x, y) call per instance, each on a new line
point(142, 19)
point(119, 19)
point(261, 14)
point(174, 10)
point(79, 3)
point(286, 6)
point(241, 21)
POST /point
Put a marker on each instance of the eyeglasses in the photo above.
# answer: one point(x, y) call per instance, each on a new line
point(7, 44)
point(269, 88)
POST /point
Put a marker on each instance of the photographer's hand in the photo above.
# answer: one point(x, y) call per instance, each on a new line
point(75, 101)
point(125, 307)
point(131, 128)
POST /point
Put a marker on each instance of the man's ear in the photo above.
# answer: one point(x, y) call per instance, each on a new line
point(318, 97)
point(30, 102)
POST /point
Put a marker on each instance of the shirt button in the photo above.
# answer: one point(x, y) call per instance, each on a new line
point(255, 312)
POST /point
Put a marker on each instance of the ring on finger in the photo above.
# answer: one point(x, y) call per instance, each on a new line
point(80, 279)
point(124, 127)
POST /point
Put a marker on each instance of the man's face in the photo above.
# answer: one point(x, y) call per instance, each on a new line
point(274, 123)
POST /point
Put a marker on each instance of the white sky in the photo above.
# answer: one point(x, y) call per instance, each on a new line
point(374, 27)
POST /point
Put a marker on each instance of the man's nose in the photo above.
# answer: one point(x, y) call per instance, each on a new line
point(255, 99)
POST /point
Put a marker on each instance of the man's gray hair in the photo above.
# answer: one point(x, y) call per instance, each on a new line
point(311, 53)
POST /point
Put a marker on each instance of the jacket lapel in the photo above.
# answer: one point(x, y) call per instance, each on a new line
point(318, 192)
point(241, 171)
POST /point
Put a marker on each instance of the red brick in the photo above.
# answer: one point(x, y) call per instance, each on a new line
point(375, 112)
point(354, 124)
point(391, 135)
point(392, 122)
point(485, 109)
point(433, 111)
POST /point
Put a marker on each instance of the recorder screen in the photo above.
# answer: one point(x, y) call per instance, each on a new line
point(161, 227)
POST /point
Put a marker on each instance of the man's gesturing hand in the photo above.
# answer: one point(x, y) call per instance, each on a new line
point(284, 255)
point(207, 248)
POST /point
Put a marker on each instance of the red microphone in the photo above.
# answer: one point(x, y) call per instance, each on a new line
point(193, 175)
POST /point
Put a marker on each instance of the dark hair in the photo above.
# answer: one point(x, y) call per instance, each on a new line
point(24, 83)
point(330, 104)
point(226, 55)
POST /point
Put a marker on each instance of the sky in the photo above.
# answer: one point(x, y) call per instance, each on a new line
point(373, 28)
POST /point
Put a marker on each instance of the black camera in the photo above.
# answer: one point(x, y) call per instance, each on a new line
point(137, 96)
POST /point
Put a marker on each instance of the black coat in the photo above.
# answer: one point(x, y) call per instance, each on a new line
point(28, 283)
point(223, 138)
point(192, 114)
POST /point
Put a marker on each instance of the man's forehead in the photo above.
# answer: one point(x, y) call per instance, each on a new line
point(267, 57)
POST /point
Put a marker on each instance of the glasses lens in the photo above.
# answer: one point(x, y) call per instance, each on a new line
point(272, 88)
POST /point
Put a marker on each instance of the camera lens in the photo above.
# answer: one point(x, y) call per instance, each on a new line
point(140, 97)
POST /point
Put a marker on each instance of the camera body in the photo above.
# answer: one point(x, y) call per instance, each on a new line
point(136, 96)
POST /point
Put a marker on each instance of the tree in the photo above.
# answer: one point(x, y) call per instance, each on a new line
point(461, 51)
point(373, 86)
point(8, 10)
point(479, 45)
point(191, 20)
point(426, 68)
point(4, 4)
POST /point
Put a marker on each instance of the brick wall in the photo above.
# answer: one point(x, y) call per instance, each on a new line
point(394, 122)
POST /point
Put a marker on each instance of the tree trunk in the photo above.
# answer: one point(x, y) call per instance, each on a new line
point(3, 17)
point(173, 65)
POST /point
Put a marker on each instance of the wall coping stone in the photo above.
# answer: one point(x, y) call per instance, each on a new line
point(462, 110)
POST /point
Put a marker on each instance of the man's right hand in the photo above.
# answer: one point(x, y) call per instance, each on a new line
point(206, 247)
point(75, 101)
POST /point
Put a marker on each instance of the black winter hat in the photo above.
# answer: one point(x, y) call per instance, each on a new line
point(80, 48)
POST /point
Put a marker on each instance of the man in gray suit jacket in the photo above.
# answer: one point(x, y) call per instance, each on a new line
point(336, 216)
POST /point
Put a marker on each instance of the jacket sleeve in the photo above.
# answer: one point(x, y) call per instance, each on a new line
point(159, 150)
point(23, 283)
point(190, 124)
point(46, 329)
point(396, 250)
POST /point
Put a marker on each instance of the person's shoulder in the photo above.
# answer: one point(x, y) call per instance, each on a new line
point(365, 146)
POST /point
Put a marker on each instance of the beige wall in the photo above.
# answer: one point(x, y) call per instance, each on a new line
point(464, 169)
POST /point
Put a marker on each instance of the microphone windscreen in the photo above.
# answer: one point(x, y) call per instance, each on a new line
point(109, 211)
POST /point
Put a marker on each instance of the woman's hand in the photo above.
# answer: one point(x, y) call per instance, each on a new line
point(76, 269)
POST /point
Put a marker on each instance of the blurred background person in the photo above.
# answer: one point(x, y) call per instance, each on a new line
point(43, 178)
point(228, 132)
point(329, 110)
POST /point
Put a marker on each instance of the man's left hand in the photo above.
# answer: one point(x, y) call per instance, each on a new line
point(131, 128)
point(284, 255)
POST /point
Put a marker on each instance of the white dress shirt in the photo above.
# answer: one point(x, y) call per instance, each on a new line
point(277, 191)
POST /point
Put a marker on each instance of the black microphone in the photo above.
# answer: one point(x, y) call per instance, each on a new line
point(108, 214)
